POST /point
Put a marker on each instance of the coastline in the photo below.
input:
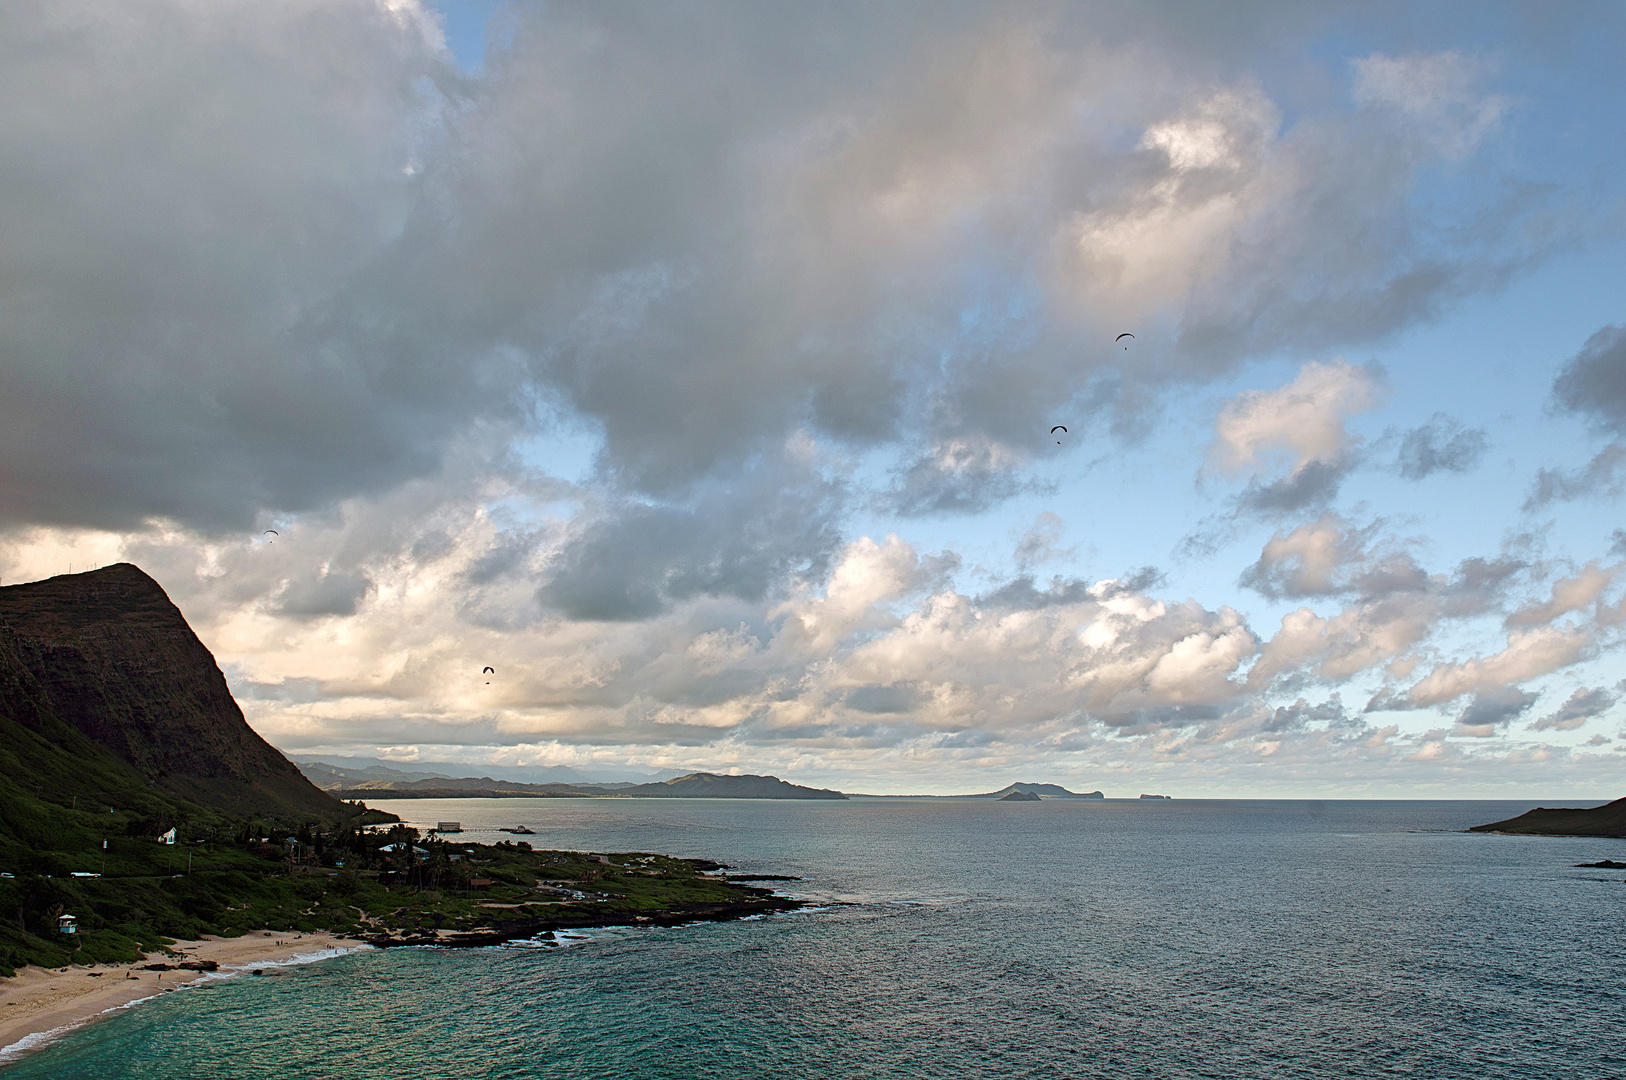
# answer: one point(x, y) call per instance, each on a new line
point(39, 1005)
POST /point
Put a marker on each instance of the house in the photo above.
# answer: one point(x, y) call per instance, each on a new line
point(448, 826)
point(167, 838)
point(392, 848)
point(67, 924)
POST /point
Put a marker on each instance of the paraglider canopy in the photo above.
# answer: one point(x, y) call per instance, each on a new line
point(489, 671)
point(270, 532)
point(1057, 428)
point(1120, 337)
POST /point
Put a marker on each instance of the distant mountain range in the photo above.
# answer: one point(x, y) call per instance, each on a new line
point(363, 768)
point(376, 782)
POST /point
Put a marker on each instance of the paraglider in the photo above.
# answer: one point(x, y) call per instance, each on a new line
point(270, 532)
point(489, 671)
point(1120, 337)
point(1059, 428)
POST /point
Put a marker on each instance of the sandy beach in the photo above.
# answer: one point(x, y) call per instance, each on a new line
point(40, 1004)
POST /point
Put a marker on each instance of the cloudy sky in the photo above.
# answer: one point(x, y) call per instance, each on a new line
point(695, 365)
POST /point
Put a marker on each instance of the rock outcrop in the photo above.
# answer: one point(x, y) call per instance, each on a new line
point(107, 654)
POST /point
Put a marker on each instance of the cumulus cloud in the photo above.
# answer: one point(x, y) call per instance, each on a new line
point(1529, 654)
point(1600, 476)
point(1490, 711)
point(1581, 706)
point(1303, 421)
point(1568, 594)
point(1393, 605)
point(1439, 92)
point(770, 270)
point(1593, 382)
point(1301, 426)
point(1441, 445)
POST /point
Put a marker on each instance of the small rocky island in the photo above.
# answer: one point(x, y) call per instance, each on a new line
point(1607, 820)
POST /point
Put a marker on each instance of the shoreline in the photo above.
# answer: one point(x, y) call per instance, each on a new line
point(40, 1005)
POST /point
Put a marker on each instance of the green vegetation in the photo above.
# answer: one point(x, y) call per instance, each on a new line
point(117, 728)
point(395, 886)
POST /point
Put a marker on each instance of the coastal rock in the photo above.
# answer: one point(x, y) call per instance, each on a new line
point(1022, 796)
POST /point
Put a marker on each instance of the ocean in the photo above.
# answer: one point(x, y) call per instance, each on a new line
point(1224, 939)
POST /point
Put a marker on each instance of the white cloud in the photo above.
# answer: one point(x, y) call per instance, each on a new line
point(1439, 92)
point(1303, 420)
point(1528, 655)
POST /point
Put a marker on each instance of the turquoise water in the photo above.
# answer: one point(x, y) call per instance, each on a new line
point(1182, 939)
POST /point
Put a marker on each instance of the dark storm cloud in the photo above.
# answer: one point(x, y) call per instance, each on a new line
point(1441, 445)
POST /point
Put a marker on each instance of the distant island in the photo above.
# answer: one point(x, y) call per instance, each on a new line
point(1157, 796)
point(140, 808)
point(1607, 820)
point(347, 784)
point(1040, 791)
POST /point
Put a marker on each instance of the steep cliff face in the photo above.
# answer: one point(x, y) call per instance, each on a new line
point(108, 654)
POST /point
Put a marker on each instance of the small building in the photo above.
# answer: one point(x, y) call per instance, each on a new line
point(393, 848)
point(67, 924)
point(448, 826)
point(167, 838)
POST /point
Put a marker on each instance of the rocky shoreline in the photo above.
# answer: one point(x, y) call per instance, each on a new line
point(764, 902)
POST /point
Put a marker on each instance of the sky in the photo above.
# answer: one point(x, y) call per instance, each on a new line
point(695, 367)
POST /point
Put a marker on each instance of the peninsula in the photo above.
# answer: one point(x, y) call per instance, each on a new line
point(1606, 820)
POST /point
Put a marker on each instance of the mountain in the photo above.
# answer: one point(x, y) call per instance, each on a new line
point(377, 769)
point(105, 660)
point(1606, 820)
point(335, 778)
point(693, 786)
point(704, 785)
point(1043, 791)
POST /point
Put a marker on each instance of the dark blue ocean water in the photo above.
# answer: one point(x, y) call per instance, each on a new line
point(976, 939)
